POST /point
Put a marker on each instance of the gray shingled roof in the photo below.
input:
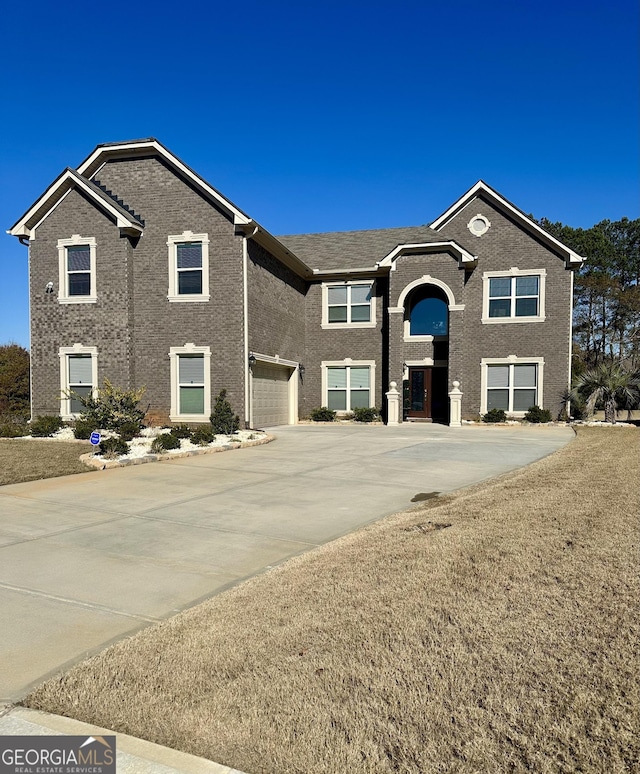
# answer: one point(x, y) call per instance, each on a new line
point(354, 249)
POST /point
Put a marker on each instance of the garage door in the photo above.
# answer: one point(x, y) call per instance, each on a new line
point(270, 399)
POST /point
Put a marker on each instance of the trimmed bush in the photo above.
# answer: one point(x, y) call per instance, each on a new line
point(46, 425)
point(164, 442)
point(112, 407)
point(203, 436)
point(323, 414)
point(129, 430)
point(9, 429)
point(366, 414)
point(223, 420)
point(113, 447)
point(538, 415)
point(181, 431)
point(495, 415)
point(82, 429)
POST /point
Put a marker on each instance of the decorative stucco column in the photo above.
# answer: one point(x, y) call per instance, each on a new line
point(393, 404)
point(455, 406)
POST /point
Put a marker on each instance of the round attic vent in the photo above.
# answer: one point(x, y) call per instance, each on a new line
point(478, 225)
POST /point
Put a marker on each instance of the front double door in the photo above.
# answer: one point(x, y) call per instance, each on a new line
point(426, 393)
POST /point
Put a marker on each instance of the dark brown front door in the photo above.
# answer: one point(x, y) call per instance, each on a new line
point(427, 393)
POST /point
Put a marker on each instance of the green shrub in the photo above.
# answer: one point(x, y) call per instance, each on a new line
point(181, 431)
point(129, 430)
point(14, 381)
point(82, 429)
point(366, 414)
point(538, 415)
point(112, 407)
point(495, 415)
point(223, 420)
point(113, 447)
point(10, 429)
point(323, 414)
point(203, 436)
point(164, 442)
point(46, 425)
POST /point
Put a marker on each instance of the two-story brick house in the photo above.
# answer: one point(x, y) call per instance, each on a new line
point(143, 273)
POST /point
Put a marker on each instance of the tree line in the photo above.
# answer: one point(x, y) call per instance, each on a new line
point(606, 317)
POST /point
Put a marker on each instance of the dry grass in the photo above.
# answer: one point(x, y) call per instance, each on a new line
point(506, 642)
point(30, 460)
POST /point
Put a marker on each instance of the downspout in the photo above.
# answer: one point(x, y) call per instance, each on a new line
point(28, 246)
point(568, 404)
point(245, 315)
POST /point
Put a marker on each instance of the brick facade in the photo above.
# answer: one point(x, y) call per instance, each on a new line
point(133, 324)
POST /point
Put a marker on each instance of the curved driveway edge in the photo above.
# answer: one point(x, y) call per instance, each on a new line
point(87, 560)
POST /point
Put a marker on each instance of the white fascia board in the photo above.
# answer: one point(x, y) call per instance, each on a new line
point(464, 256)
point(54, 194)
point(344, 272)
point(95, 160)
point(571, 258)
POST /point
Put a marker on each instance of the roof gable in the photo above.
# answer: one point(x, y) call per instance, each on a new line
point(150, 146)
point(570, 257)
point(26, 226)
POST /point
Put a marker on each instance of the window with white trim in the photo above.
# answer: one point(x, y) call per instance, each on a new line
point(78, 378)
point(77, 270)
point(188, 267)
point(190, 383)
point(513, 387)
point(514, 296)
point(348, 385)
point(348, 305)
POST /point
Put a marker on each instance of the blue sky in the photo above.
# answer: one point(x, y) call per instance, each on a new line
point(328, 116)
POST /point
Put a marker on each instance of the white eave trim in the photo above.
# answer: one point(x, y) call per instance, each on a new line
point(464, 256)
point(571, 258)
point(90, 166)
point(55, 193)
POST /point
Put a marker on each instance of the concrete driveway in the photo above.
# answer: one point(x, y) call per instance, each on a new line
point(89, 559)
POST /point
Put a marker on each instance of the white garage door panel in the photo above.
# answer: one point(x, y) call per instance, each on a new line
point(270, 395)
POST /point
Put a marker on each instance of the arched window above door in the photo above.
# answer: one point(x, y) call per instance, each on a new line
point(428, 313)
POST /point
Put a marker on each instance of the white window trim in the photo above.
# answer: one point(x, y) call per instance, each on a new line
point(513, 272)
point(326, 325)
point(63, 285)
point(510, 360)
point(63, 354)
point(349, 363)
point(174, 353)
point(172, 241)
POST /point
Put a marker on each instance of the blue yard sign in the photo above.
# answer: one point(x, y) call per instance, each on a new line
point(95, 438)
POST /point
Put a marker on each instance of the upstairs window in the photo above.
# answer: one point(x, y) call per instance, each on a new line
point(77, 270)
point(429, 316)
point(515, 296)
point(348, 305)
point(188, 267)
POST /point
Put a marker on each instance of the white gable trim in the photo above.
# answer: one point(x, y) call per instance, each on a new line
point(571, 258)
point(52, 197)
point(464, 256)
point(95, 161)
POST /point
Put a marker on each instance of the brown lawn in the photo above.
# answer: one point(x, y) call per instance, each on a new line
point(30, 460)
point(492, 631)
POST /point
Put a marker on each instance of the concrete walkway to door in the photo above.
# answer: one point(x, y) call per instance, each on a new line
point(89, 559)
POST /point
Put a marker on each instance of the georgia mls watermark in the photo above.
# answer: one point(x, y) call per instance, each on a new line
point(57, 755)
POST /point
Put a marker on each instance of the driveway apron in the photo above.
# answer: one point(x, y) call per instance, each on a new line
point(86, 560)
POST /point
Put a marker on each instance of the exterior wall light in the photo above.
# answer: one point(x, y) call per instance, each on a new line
point(301, 370)
point(252, 359)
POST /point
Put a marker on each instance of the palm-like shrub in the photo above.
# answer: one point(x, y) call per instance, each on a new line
point(609, 385)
